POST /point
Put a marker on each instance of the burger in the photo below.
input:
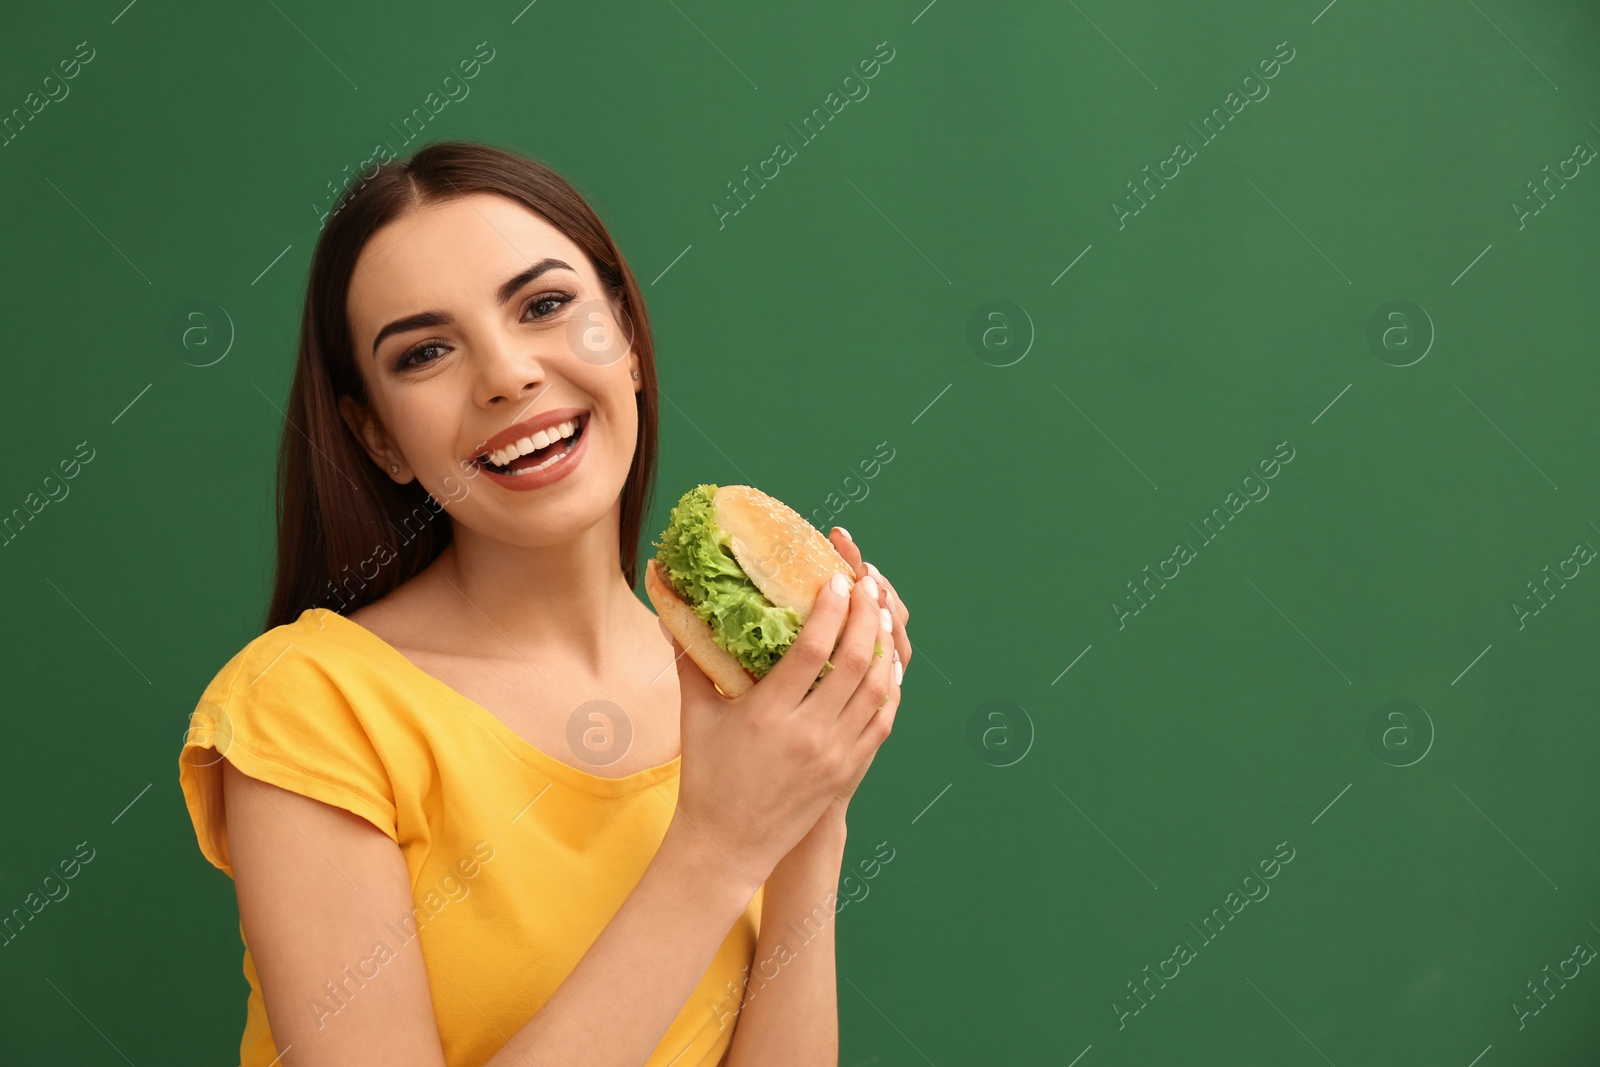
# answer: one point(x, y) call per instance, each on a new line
point(734, 578)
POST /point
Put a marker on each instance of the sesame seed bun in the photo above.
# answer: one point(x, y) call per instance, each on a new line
point(782, 554)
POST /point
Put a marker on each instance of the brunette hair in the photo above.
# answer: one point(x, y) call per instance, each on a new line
point(338, 516)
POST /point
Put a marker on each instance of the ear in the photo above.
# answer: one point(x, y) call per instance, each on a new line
point(366, 429)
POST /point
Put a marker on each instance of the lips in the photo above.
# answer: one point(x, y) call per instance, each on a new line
point(542, 421)
point(541, 469)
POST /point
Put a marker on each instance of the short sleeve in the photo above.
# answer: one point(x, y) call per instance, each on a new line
point(279, 714)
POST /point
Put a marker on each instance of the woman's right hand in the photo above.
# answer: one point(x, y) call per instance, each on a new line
point(759, 770)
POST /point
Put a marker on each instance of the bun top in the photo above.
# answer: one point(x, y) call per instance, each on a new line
point(782, 554)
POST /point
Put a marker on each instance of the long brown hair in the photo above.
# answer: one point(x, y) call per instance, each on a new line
point(348, 535)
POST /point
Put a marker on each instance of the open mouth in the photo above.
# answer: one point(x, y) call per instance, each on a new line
point(540, 458)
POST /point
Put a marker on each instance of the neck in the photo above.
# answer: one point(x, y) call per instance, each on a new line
point(565, 602)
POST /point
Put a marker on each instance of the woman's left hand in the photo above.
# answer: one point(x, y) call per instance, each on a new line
point(887, 597)
point(901, 649)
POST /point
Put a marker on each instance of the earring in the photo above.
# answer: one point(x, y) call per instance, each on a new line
point(635, 375)
point(395, 468)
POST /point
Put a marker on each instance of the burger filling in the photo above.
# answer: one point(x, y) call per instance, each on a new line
point(696, 555)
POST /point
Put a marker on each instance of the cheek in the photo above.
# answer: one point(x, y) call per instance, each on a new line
point(424, 422)
point(619, 435)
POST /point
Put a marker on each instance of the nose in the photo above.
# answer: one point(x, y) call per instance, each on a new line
point(509, 369)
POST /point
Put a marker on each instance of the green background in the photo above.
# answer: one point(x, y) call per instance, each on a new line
point(1231, 314)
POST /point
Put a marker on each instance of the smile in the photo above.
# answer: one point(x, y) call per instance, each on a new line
point(539, 460)
point(536, 452)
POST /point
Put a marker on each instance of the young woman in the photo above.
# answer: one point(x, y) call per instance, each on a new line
point(472, 813)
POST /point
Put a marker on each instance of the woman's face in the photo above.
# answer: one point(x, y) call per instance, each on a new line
point(470, 320)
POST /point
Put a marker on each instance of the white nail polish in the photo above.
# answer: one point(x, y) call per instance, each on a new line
point(839, 584)
point(899, 671)
point(871, 588)
point(885, 618)
point(873, 571)
point(846, 533)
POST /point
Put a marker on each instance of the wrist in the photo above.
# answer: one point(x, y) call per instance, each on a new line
point(815, 861)
point(699, 866)
point(830, 830)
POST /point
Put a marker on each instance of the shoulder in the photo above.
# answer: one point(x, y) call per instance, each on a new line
point(307, 694)
point(316, 646)
point(300, 707)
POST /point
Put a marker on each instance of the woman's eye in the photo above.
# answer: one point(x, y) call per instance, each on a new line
point(409, 359)
point(555, 300)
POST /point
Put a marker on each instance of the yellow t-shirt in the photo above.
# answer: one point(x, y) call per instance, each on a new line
point(517, 860)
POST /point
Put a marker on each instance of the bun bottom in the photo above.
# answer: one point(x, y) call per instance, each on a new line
point(694, 634)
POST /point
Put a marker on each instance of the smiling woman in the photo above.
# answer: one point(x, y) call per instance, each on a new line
point(469, 320)
point(329, 472)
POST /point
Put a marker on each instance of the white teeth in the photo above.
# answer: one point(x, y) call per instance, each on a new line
point(542, 464)
point(542, 439)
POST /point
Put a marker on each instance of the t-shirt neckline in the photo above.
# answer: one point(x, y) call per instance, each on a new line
point(514, 742)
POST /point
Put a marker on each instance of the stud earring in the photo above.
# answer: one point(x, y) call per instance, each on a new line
point(395, 468)
point(635, 375)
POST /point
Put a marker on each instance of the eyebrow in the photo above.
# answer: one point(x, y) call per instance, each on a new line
point(441, 318)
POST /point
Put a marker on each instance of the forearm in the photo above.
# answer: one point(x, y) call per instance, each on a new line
point(623, 995)
point(791, 1012)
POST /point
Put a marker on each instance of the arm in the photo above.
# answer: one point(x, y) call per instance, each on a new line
point(791, 1010)
point(791, 1013)
point(315, 882)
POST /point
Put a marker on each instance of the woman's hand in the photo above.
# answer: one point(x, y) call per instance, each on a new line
point(846, 547)
point(759, 770)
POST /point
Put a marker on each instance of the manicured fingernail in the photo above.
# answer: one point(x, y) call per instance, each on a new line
point(873, 571)
point(846, 533)
point(839, 584)
point(871, 588)
point(885, 618)
point(899, 671)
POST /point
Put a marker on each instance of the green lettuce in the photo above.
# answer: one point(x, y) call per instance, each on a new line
point(696, 555)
